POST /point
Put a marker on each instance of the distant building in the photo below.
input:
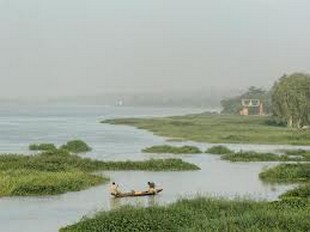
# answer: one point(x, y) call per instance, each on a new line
point(251, 106)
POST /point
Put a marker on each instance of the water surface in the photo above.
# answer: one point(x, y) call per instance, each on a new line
point(20, 126)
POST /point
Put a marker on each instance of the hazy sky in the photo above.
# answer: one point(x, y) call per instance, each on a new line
point(85, 47)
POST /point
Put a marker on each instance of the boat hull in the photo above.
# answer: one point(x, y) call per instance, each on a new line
point(136, 194)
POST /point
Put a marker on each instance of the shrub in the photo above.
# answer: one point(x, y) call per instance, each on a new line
point(42, 147)
point(219, 150)
point(172, 149)
point(76, 146)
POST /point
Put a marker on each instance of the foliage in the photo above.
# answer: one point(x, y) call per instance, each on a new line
point(219, 150)
point(76, 146)
point(219, 129)
point(299, 172)
point(233, 105)
point(200, 215)
point(250, 156)
point(58, 171)
point(42, 147)
point(24, 182)
point(59, 160)
point(291, 99)
point(172, 149)
point(300, 192)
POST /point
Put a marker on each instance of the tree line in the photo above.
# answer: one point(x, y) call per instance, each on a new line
point(288, 101)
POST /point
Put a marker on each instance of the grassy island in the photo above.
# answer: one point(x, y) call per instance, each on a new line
point(252, 156)
point(172, 149)
point(290, 173)
point(57, 171)
point(219, 129)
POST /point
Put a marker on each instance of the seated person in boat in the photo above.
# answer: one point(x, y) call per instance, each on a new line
point(114, 189)
point(151, 188)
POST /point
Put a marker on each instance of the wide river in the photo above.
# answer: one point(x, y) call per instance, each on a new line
point(22, 125)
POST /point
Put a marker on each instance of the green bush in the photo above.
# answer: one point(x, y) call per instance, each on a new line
point(76, 146)
point(172, 149)
point(219, 150)
point(42, 147)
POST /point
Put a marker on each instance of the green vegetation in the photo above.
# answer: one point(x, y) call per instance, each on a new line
point(30, 182)
point(219, 129)
point(291, 100)
point(60, 161)
point(219, 150)
point(251, 156)
point(76, 146)
point(298, 152)
point(291, 173)
point(172, 149)
point(233, 105)
point(300, 192)
point(57, 171)
point(42, 147)
point(200, 215)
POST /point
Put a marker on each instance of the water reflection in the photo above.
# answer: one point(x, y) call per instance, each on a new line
point(143, 201)
point(115, 203)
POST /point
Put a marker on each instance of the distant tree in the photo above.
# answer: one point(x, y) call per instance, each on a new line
point(291, 99)
point(233, 105)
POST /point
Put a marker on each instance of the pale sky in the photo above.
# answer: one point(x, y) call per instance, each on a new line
point(86, 47)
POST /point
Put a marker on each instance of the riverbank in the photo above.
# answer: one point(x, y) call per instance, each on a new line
point(215, 128)
point(200, 215)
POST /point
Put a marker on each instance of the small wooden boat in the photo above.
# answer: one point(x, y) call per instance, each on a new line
point(136, 194)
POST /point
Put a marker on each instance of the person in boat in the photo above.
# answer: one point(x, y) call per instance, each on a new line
point(114, 189)
point(151, 188)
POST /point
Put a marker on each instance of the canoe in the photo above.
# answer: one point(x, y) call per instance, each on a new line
point(136, 194)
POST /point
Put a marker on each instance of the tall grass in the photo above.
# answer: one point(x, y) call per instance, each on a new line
point(219, 150)
point(54, 161)
point(200, 215)
point(252, 156)
point(42, 147)
point(172, 149)
point(30, 182)
point(219, 129)
point(58, 171)
point(287, 173)
point(300, 192)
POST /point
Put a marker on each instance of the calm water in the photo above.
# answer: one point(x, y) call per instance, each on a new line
point(20, 126)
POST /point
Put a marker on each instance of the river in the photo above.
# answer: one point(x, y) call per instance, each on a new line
point(22, 125)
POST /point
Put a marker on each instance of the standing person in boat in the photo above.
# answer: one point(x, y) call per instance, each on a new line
point(114, 189)
point(151, 187)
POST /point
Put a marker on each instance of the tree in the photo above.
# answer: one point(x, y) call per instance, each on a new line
point(291, 99)
point(233, 105)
